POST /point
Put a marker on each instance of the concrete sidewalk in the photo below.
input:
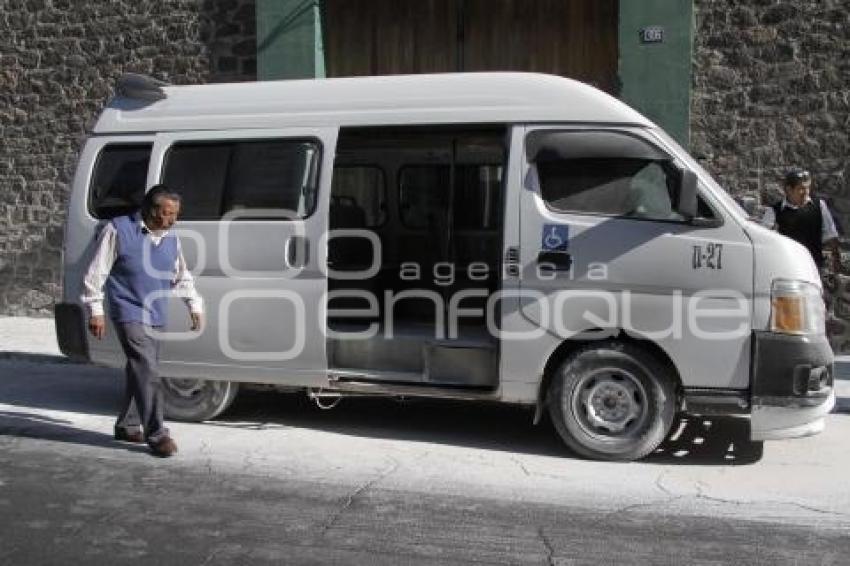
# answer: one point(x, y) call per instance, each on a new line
point(26, 335)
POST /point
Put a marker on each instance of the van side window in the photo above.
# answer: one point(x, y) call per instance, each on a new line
point(215, 178)
point(612, 186)
point(607, 172)
point(118, 182)
point(198, 172)
point(359, 190)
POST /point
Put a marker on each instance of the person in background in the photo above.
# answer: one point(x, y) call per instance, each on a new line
point(805, 219)
point(138, 259)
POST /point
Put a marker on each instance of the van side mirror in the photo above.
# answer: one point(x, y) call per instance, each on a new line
point(687, 205)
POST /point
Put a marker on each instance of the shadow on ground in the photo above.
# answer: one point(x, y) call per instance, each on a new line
point(30, 357)
point(33, 425)
point(693, 441)
point(709, 441)
point(60, 386)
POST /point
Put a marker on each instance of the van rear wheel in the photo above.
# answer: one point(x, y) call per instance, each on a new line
point(612, 401)
point(189, 399)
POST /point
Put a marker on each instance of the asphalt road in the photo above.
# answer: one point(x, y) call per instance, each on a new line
point(277, 481)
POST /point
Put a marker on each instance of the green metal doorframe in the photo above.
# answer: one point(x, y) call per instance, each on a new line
point(655, 77)
point(289, 39)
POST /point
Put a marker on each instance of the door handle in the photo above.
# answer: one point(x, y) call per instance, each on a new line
point(554, 261)
point(295, 252)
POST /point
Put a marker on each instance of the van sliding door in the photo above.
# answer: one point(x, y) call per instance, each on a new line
point(252, 227)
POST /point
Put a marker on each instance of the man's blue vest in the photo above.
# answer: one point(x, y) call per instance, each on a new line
point(137, 292)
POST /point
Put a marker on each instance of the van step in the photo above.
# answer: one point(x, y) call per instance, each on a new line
point(367, 384)
point(415, 355)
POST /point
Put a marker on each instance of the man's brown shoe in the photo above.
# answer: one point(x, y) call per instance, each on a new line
point(125, 435)
point(164, 447)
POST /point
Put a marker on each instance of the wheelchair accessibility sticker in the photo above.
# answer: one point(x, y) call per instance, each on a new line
point(556, 237)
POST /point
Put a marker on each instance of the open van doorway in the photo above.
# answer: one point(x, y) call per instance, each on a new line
point(416, 227)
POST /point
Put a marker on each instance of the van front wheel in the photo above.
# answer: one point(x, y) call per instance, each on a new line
point(612, 401)
point(188, 399)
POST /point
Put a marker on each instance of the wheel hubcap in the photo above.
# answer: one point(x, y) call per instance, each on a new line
point(610, 403)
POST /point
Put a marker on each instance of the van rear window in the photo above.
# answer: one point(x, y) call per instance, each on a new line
point(118, 182)
point(266, 178)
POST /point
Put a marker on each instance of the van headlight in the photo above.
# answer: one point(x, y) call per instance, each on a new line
point(796, 308)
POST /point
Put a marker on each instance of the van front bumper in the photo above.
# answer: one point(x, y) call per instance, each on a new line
point(71, 334)
point(791, 385)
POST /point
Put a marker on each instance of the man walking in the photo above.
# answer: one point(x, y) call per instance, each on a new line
point(804, 219)
point(140, 261)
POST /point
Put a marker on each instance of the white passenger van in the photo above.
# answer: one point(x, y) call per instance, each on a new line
point(507, 237)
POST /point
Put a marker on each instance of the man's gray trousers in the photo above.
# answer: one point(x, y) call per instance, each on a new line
point(143, 404)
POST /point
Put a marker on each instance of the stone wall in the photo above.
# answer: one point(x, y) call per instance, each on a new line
point(58, 63)
point(772, 89)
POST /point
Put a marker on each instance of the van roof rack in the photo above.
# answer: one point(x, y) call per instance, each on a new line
point(142, 87)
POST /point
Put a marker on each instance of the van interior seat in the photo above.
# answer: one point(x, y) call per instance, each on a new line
point(346, 253)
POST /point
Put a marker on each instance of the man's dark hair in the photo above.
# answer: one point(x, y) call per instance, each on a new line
point(154, 196)
point(795, 176)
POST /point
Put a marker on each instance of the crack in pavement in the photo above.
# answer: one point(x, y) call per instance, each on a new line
point(701, 495)
point(349, 500)
point(206, 452)
point(632, 507)
point(813, 509)
point(211, 556)
point(671, 497)
point(700, 485)
point(660, 486)
point(521, 466)
point(550, 552)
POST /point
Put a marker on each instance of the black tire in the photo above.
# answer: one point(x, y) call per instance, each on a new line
point(612, 401)
point(188, 399)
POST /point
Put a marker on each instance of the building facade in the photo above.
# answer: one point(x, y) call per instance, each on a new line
point(751, 88)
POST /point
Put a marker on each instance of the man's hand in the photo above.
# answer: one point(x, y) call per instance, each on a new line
point(197, 320)
point(97, 326)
